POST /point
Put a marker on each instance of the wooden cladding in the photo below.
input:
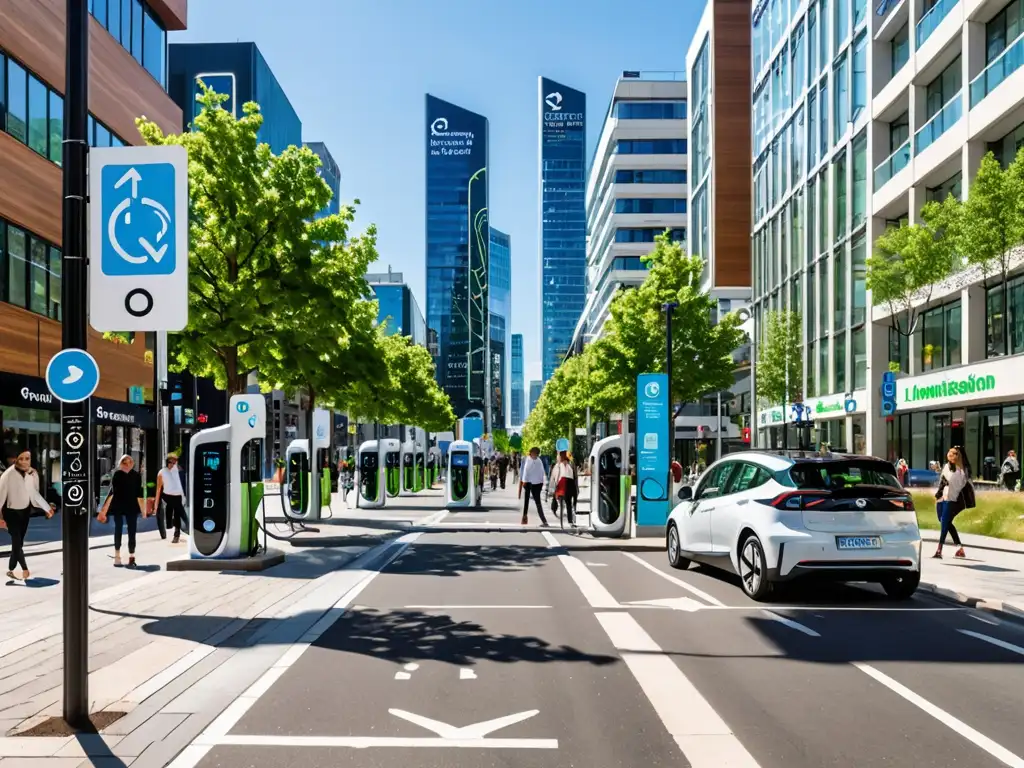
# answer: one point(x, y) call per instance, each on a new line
point(120, 89)
point(173, 13)
point(30, 340)
point(30, 192)
point(733, 172)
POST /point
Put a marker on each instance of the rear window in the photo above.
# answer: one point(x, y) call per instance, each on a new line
point(835, 475)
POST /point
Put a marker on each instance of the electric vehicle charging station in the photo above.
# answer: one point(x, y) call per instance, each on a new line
point(434, 461)
point(609, 487)
point(225, 486)
point(370, 479)
point(420, 479)
point(301, 472)
point(461, 487)
point(408, 469)
point(391, 455)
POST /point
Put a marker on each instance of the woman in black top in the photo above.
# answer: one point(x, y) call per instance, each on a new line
point(125, 503)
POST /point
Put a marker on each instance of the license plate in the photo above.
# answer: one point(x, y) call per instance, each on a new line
point(858, 542)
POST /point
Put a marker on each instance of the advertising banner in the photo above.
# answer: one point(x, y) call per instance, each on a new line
point(653, 449)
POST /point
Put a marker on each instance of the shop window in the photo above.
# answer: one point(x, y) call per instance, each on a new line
point(1004, 332)
point(940, 337)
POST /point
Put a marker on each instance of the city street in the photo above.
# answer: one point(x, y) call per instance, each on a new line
point(549, 649)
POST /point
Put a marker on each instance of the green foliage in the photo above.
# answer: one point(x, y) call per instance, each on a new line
point(780, 360)
point(992, 220)
point(501, 441)
point(603, 377)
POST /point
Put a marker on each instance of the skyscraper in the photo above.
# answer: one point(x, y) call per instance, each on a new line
point(330, 173)
point(563, 217)
point(457, 245)
point(517, 400)
point(500, 282)
point(536, 387)
point(398, 311)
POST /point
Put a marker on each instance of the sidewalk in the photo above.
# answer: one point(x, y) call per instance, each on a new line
point(169, 649)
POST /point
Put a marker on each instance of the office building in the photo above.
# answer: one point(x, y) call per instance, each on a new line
point(637, 188)
point(330, 173)
point(457, 244)
point(562, 126)
point(517, 404)
point(500, 290)
point(718, 216)
point(399, 311)
point(536, 387)
point(127, 77)
point(239, 71)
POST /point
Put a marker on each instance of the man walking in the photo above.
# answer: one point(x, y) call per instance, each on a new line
point(502, 467)
point(169, 488)
point(532, 478)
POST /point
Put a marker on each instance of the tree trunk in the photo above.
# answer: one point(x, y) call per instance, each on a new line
point(237, 381)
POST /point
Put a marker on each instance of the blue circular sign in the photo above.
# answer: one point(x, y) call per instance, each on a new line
point(72, 375)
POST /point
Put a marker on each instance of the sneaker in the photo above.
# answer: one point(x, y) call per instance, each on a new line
point(175, 540)
point(131, 562)
point(960, 554)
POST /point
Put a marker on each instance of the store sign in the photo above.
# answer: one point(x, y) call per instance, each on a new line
point(990, 380)
point(26, 392)
point(834, 406)
point(136, 395)
point(771, 416)
point(129, 414)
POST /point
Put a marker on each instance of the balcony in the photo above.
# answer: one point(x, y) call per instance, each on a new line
point(941, 122)
point(1004, 65)
point(892, 165)
point(931, 20)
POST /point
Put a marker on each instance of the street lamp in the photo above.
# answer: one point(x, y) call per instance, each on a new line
point(669, 307)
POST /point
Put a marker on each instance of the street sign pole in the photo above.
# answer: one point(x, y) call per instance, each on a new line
point(75, 416)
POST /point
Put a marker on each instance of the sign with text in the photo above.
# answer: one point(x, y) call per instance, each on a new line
point(653, 448)
point(74, 464)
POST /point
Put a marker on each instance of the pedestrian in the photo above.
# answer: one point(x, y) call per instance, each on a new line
point(493, 469)
point(952, 498)
point(502, 467)
point(125, 503)
point(902, 471)
point(19, 493)
point(560, 485)
point(1009, 473)
point(169, 488)
point(515, 466)
point(531, 476)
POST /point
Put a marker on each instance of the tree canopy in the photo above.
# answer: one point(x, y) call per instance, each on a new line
point(780, 360)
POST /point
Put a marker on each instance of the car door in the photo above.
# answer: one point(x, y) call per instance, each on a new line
point(705, 499)
point(735, 496)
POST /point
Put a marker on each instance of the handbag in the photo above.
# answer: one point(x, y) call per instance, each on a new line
point(968, 495)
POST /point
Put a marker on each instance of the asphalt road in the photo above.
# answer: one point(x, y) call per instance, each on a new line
point(533, 649)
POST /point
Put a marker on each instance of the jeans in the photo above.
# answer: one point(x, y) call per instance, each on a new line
point(133, 526)
point(946, 511)
point(175, 512)
point(17, 526)
point(533, 490)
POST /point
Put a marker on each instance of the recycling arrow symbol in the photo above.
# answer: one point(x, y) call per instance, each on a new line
point(124, 207)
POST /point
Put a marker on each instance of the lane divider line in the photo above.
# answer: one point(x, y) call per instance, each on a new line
point(790, 623)
point(993, 640)
point(999, 752)
point(703, 736)
point(678, 582)
point(470, 607)
point(593, 590)
point(390, 742)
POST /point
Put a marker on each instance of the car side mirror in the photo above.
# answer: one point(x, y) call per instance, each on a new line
point(685, 493)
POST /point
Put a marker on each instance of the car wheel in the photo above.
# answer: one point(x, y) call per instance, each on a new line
point(902, 587)
point(675, 550)
point(753, 569)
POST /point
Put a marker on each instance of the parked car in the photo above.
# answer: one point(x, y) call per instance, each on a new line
point(777, 516)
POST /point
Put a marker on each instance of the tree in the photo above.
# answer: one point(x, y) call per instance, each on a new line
point(910, 259)
point(251, 215)
point(501, 441)
point(780, 363)
point(993, 220)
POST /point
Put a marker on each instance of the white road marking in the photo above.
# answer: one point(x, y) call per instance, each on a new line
point(678, 582)
point(791, 624)
point(674, 603)
point(993, 640)
point(984, 619)
point(997, 751)
point(411, 667)
point(360, 742)
point(403, 676)
point(597, 565)
point(705, 739)
point(467, 674)
point(593, 590)
point(470, 607)
point(472, 731)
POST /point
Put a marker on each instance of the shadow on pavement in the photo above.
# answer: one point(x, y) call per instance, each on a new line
point(459, 559)
point(404, 636)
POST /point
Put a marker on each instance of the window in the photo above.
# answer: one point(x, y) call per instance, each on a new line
point(823, 240)
point(899, 132)
point(860, 359)
point(810, 313)
point(823, 15)
point(841, 99)
point(17, 266)
point(858, 253)
point(839, 288)
point(860, 12)
point(55, 284)
point(797, 238)
point(799, 68)
point(900, 49)
point(899, 352)
point(840, 191)
point(745, 477)
point(32, 271)
point(942, 89)
point(137, 26)
point(1011, 341)
point(824, 387)
point(646, 234)
point(823, 297)
point(154, 47)
point(860, 76)
point(860, 180)
point(842, 22)
point(812, 131)
point(797, 150)
point(812, 42)
point(951, 186)
point(823, 118)
point(812, 218)
point(56, 127)
point(17, 101)
point(953, 333)
point(649, 110)
point(939, 337)
point(38, 277)
point(38, 128)
point(650, 205)
point(134, 25)
point(840, 361)
point(650, 177)
point(1003, 30)
point(651, 146)
point(113, 18)
point(1005, 149)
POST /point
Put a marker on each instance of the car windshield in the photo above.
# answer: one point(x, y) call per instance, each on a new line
point(836, 475)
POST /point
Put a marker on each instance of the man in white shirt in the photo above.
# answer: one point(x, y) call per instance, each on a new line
point(532, 477)
point(169, 488)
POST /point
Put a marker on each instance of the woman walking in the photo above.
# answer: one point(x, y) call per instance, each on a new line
point(951, 499)
point(19, 493)
point(125, 503)
point(561, 485)
point(169, 488)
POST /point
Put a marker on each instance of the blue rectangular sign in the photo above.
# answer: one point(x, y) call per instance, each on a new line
point(653, 449)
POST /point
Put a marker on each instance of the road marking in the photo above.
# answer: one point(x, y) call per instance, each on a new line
point(791, 624)
point(678, 582)
point(997, 751)
point(360, 742)
point(228, 719)
point(705, 739)
point(402, 676)
point(993, 640)
point(593, 590)
point(597, 565)
point(674, 603)
point(984, 620)
point(470, 607)
point(472, 731)
point(411, 667)
point(467, 674)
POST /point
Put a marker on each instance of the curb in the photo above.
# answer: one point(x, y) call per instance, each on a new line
point(985, 547)
point(1003, 609)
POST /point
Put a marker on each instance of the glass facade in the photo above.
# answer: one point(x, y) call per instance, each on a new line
point(331, 174)
point(517, 404)
point(134, 25)
point(563, 218)
point(399, 312)
point(30, 271)
point(500, 288)
point(536, 387)
point(457, 245)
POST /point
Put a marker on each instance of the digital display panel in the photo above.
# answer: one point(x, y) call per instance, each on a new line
point(211, 491)
point(460, 459)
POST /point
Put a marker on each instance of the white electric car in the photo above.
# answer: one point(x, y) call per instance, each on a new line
point(776, 516)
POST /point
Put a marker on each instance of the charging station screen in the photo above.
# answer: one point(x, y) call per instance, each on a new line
point(460, 459)
point(211, 507)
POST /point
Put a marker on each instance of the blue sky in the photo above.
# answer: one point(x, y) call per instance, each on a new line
point(356, 71)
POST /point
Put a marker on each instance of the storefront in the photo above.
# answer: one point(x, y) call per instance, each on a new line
point(977, 406)
point(121, 428)
point(30, 420)
point(838, 421)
